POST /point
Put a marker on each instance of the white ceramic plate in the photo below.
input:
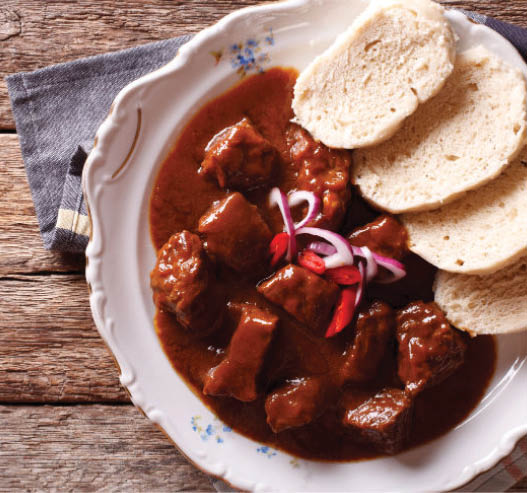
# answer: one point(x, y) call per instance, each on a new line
point(146, 119)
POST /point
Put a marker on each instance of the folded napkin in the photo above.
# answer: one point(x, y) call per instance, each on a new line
point(57, 112)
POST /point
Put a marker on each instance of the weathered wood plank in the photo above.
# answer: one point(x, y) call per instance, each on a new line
point(21, 249)
point(50, 350)
point(509, 11)
point(89, 448)
point(93, 448)
point(28, 28)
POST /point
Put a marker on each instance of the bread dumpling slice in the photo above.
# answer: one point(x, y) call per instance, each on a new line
point(457, 141)
point(491, 304)
point(480, 233)
point(396, 55)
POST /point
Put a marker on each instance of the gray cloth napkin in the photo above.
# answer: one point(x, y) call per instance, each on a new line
point(58, 110)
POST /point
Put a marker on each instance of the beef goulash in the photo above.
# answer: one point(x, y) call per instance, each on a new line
point(294, 310)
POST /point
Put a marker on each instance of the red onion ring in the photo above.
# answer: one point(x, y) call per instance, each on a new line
point(360, 289)
point(393, 266)
point(371, 264)
point(296, 198)
point(279, 198)
point(342, 256)
point(322, 248)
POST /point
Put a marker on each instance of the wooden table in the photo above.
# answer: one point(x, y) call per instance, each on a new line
point(66, 423)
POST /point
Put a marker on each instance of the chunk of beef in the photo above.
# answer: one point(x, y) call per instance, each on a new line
point(383, 421)
point(240, 157)
point(374, 330)
point(184, 284)
point(236, 234)
point(385, 236)
point(323, 171)
point(430, 349)
point(353, 397)
point(297, 403)
point(237, 375)
point(303, 294)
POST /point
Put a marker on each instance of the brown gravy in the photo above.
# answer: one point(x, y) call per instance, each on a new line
point(179, 198)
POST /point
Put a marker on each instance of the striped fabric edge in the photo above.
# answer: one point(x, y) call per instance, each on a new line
point(72, 227)
point(73, 221)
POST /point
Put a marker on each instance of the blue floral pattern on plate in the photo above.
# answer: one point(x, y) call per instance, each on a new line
point(267, 451)
point(215, 432)
point(249, 56)
point(209, 432)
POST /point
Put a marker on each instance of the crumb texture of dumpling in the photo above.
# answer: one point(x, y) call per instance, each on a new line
point(395, 56)
point(457, 141)
point(492, 304)
point(481, 233)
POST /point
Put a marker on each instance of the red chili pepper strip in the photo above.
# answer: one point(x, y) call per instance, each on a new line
point(278, 247)
point(310, 260)
point(344, 311)
point(346, 275)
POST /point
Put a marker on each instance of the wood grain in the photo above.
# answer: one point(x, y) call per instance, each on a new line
point(29, 39)
point(21, 249)
point(504, 10)
point(93, 448)
point(89, 448)
point(31, 30)
point(50, 350)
